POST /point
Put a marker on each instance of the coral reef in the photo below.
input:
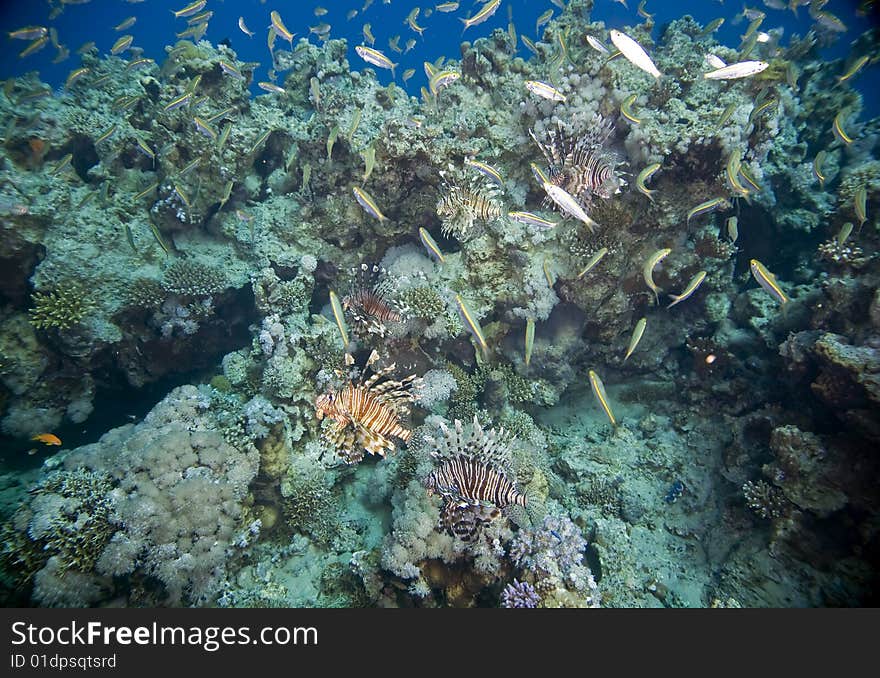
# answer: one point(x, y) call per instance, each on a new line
point(157, 500)
point(346, 273)
point(552, 557)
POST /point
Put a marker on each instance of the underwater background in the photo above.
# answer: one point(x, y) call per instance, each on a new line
point(531, 315)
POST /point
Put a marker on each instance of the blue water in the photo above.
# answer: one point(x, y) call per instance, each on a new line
point(156, 27)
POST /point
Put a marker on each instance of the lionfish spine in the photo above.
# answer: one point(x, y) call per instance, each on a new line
point(580, 164)
point(371, 300)
point(367, 410)
point(460, 205)
point(464, 478)
point(367, 414)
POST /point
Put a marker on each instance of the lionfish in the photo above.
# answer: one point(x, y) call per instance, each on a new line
point(473, 479)
point(371, 300)
point(368, 412)
point(580, 163)
point(463, 202)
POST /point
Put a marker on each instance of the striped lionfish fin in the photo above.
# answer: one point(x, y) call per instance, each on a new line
point(373, 442)
point(343, 439)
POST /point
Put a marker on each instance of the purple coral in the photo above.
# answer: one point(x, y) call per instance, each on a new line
point(519, 594)
point(557, 546)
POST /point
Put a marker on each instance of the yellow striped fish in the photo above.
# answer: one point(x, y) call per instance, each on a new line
point(595, 259)
point(708, 206)
point(375, 57)
point(485, 170)
point(366, 201)
point(431, 245)
point(626, 109)
point(644, 175)
point(767, 280)
point(530, 340)
point(638, 331)
point(860, 204)
point(648, 271)
point(837, 127)
point(487, 11)
point(692, 286)
point(599, 391)
point(471, 323)
point(339, 316)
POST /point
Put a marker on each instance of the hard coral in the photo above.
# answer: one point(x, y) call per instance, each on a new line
point(552, 556)
point(423, 302)
point(159, 499)
point(519, 594)
point(308, 503)
point(842, 255)
point(61, 308)
point(146, 293)
point(191, 278)
point(72, 517)
point(765, 500)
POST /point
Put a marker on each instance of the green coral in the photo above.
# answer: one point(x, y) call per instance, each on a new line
point(602, 493)
point(340, 587)
point(146, 293)
point(20, 559)
point(191, 278)
point(513, 387)
point(423, 302)
point(62, 308)
point(308, 503)
point(498, 384)
point(463, 402)
point(270, 595)
point(518, 389)
point(867, 174)
point(454, 326)
point(290, 297)
point(221, 383)
point(518, 423)
point(324, 348)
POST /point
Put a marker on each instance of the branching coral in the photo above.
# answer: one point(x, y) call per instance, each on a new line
point(765, 500)
point(146, 293)
point(62, 308)
point(842, 255)
point(72, 513)
point(519, 594)
point(191, 278)
point(423, 302)
point(308, 502)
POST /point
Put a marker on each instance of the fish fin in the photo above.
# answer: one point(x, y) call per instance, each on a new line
point(373, 442)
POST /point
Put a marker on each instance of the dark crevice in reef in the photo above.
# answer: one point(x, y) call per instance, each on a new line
point(15, 273)
point(125, 393)
point(146, 357)
point(115, 405)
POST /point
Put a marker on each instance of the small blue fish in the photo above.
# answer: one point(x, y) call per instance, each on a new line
point(674, 492)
